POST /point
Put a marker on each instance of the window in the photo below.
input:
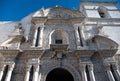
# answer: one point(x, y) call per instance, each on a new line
point(102, 14)
point(58, 41)
point(79, 32)
point(38, 37)
point(59, 37)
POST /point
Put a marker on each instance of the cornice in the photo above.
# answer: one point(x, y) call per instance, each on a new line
point(107, 52)
point(33, 53)
point(84, 53)
point(57, 20)
point(9, 53)
point(103, 19)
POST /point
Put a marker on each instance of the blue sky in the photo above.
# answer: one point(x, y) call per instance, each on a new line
point(15, 10)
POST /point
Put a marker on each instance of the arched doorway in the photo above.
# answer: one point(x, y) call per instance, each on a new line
point(59, 74)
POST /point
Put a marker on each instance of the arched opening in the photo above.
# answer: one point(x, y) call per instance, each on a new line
point(103, 12)
point(59, 37)
point(59, 74)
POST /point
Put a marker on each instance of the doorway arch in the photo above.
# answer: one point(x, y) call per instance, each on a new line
point(59, 74)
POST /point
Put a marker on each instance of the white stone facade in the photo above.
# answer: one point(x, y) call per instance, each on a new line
point(59, 44)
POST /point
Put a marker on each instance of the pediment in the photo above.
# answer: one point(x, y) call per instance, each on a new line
point(59, 13)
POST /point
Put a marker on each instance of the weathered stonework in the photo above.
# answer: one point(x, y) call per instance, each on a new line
point(78, 44)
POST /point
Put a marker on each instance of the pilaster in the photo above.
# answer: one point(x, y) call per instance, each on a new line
point(28, 67)
point(36, 72)
point(91, 73)
point(2, 67)
point(9, 73)
point(116, 71)
point(109, 73)
point(83, 72)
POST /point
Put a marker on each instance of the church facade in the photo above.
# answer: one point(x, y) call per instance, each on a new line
point(59, 44)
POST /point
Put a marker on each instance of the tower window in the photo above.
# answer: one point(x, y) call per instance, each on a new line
point(58, 41)
point(102, 14)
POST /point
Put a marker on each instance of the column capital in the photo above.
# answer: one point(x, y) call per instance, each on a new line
point(28, 67)
point(2, 67)
point(107, 66)
point(82, 67)
point(90, 67)
point(36, 67)
point(115, 66)
point(11, 66)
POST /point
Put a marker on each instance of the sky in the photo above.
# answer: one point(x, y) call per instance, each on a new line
point(15, 10)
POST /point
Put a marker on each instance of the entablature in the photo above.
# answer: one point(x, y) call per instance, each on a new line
point(9, 53)
point(47, 20)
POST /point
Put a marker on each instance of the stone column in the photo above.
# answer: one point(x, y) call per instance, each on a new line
point(1, 71)
point(39, 78)
point(91, 73)
point(27, 76)
point(36, 71)
point(35, 37)
point(116, 71)
point(83, 72)
point(9, 73)
point(109, 73)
